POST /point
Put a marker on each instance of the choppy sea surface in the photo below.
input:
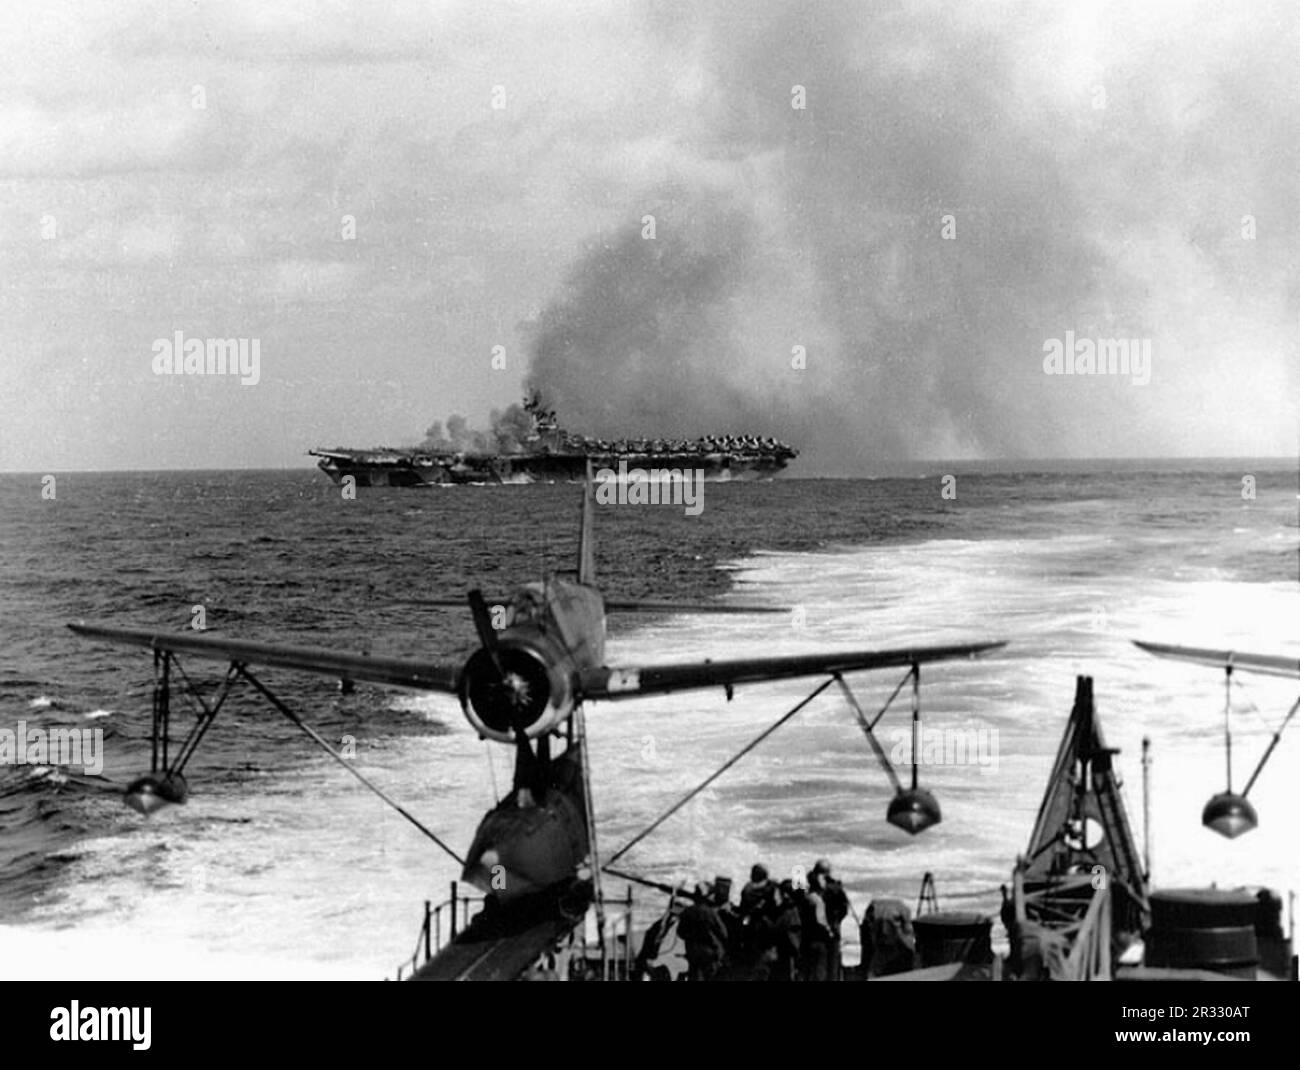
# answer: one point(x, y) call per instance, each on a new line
point(283, 866)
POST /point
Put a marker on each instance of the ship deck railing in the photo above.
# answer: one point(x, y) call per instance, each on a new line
point(443, 922)
point(450, 916)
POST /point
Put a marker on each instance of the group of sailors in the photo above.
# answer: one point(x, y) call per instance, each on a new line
point(706, 445)
point(779, 931)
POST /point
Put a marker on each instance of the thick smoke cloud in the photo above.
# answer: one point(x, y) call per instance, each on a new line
point(508, 433)
point(776, 227)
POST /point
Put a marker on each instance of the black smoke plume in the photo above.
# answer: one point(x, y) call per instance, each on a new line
point(919, 228)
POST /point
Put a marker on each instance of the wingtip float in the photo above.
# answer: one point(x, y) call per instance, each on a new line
point(1230, 813)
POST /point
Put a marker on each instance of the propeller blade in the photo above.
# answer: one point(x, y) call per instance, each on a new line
point(487, 635)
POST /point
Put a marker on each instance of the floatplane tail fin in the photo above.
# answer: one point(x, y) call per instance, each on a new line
point(586, 535)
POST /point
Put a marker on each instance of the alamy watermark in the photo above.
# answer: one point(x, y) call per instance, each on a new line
point(1105, 356)
point(179, 355)
point(76, 1022)
point(651, 486)
point(946, 746)
point(53, 746)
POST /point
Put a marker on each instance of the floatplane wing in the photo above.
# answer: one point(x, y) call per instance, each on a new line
point(363, 668)
point(606, 683)
point(1269, 664)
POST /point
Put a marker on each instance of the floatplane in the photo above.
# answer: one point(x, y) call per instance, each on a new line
point(541, 658)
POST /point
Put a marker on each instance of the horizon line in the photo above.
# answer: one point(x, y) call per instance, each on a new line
point(786, 475)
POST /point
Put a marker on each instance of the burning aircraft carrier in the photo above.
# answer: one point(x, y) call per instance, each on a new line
point(527, 445)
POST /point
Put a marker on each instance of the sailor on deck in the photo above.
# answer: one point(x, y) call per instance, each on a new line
point(787, 930)
point(705, 935)
point(829, 906)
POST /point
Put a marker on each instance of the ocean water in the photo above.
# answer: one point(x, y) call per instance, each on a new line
point(281, 865)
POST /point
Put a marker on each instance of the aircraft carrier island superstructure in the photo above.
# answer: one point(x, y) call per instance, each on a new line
point(549, 454)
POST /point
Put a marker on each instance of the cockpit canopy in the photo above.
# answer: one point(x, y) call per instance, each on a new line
point(527, 605)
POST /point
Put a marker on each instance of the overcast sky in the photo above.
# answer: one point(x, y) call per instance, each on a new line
point(1111, 170)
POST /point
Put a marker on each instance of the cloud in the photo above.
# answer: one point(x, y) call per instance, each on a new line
point(86, 140)
point(311, 280)
point(278, 31)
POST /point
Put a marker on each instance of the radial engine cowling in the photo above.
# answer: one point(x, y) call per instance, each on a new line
point(527, 692)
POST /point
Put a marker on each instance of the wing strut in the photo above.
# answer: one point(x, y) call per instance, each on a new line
point(912, 809)
point(1277, 738)
point(166, 781)
point(869, 725)
point(324, 745)
point(714, 776)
